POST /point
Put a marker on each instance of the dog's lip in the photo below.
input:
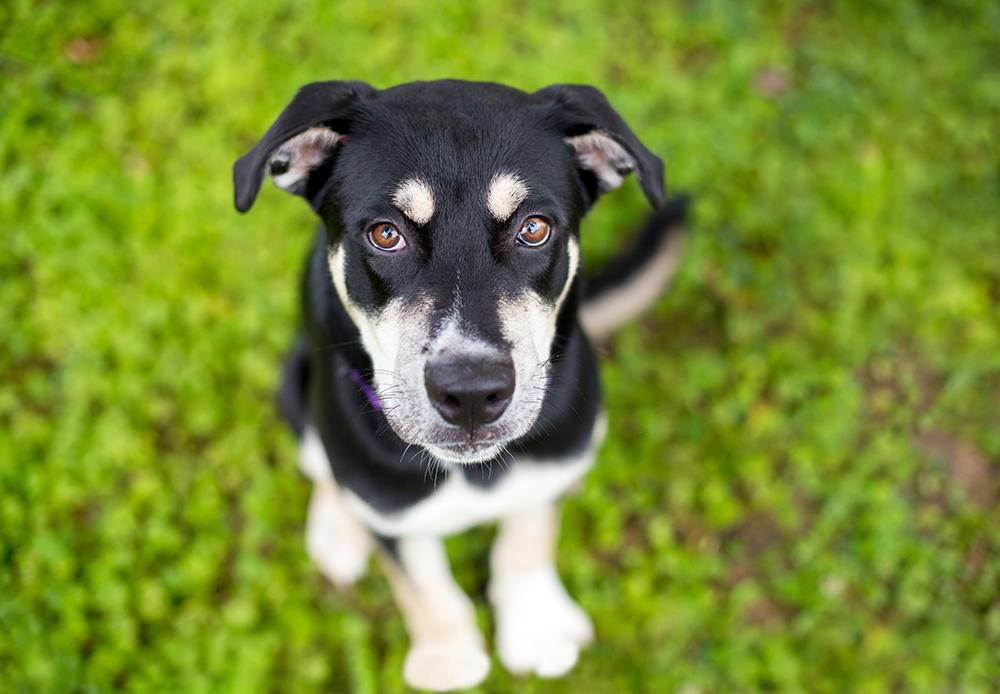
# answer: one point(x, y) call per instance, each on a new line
point(465, 453)
point(456, 438)
point(459, 447)
point(458, 444)
point(469, 447)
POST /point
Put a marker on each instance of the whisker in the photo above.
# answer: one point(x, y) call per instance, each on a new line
point(405, 450)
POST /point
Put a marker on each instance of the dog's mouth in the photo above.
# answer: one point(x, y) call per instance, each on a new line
point(466, 453)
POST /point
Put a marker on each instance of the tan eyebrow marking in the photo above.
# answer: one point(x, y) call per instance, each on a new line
point(505, 193)
point(415, 199)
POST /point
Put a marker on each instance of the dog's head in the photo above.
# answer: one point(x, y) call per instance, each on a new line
point(452, 212)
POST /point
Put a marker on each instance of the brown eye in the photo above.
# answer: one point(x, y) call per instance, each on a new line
point(534, 232)
point(385, 237)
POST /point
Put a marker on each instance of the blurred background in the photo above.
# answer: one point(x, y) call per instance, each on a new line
point(799, 488)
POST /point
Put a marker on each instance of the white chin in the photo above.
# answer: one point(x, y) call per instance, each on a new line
point(465, 455)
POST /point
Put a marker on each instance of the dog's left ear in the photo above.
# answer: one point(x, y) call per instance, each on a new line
point(304, 137)
point(606, 148)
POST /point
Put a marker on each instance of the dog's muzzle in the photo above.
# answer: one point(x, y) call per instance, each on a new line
point(470, 393)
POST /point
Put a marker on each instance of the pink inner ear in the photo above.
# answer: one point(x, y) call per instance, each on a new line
point(598, 152)
point(301, 154)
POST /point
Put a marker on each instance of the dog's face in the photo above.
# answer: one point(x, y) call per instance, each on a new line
point(452, 212)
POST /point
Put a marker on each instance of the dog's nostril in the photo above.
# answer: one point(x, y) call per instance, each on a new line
point(470, 392)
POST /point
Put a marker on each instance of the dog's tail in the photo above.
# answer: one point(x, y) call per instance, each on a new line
point(293, 395)
point(636, 280)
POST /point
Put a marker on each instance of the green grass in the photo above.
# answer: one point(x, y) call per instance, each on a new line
point(799, 488)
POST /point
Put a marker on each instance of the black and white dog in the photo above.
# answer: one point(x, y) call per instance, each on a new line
point(445, 377)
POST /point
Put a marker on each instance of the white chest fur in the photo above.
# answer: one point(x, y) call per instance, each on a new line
point(457, 505)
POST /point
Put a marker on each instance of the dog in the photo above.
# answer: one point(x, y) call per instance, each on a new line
point(444, 376)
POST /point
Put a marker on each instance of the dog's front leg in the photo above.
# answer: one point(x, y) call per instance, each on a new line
point(538, 626)
point(336, 540)
point(446, 649)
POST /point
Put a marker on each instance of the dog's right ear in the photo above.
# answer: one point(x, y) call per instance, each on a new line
point(303, 138)
point(606, 148)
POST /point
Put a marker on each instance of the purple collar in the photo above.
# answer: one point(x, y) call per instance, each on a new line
point(366, 389)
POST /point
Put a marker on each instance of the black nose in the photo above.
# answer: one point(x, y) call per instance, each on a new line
point(470, 392)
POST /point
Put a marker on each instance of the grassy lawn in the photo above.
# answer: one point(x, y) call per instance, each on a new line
point(799, 491)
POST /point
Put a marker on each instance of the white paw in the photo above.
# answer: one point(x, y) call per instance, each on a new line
point(336, 540)
point(539, 627)
point(445, 665)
